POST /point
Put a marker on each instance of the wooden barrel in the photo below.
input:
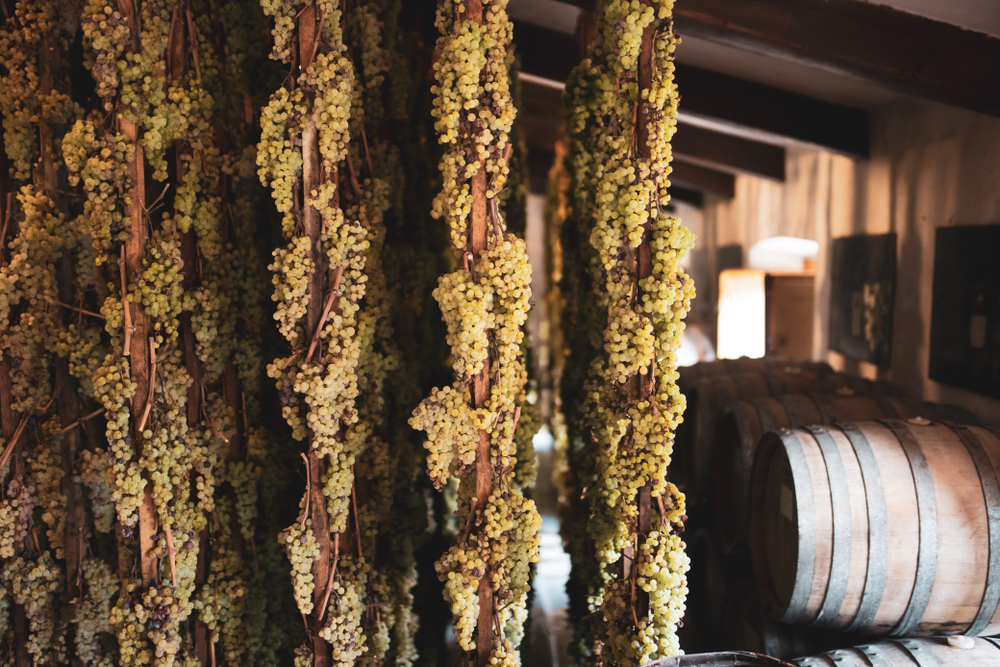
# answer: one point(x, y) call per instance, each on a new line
point(709, 580)
point(739, 431)
point(888, 527)
point(746, 627)
point(712, 397)
point(936, 652)
point(726, 659)
point(706, 581)
point(705, 369)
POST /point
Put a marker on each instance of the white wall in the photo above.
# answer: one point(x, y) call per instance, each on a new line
point(931, 166)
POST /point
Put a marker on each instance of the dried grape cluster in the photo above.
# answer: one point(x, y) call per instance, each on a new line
point(333, 310)
point(485, 305)
point(630, 297)
point(146, 475)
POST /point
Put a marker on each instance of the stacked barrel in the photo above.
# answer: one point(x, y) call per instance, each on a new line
point(826, 509)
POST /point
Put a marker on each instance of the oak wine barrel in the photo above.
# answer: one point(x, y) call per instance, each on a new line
point(726, 659)
point(739, 431)
point(746, 627)
point(936, 652)
point(709, 581)
point(712, 397)
point(704, 369)
point(688, 379)
point(889, 527)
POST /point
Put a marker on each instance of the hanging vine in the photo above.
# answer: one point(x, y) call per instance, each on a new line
point(470, 425)
point(622, 106)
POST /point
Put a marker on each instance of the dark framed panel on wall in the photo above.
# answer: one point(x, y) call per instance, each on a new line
point(965, 313)
point(862, 294)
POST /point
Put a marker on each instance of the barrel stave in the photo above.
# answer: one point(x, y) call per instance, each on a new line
point(925, 652)
point(925, 572)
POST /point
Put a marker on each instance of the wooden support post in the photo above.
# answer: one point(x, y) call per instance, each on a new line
point(644, 262)
point(312, 225)
point(9, 420)
point(189, 254)
point(67, 402)
point(478, 235)
point(481, 396)
point(139, 350)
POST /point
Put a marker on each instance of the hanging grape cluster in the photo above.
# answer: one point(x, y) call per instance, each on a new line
point(148, 448)
point(630, 296)
point(322, 154)
point(484, 303)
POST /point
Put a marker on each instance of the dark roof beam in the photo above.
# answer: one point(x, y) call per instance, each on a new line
point(726, 104)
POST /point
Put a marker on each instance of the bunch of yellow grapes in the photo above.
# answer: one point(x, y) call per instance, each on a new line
point(629, 405)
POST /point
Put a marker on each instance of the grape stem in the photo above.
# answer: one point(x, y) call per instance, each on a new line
point(326, 313)
point(354, 500)
point(69, 427)
point(305, 514)
point(81, 310)
point(127, 345)
point(329, 579)
point(368, 157)
point(6, 218)
point(152, 385)
point(171, 556)
point(13, 440)
point(468, 522)
point(354, 176)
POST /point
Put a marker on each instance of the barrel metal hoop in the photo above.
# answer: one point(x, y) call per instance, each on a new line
point(874, 655)
point(991, 495)
point(822, 402)
point(841, 658)
point(810, 662)
point(795, 419)
point(805, 557)
point(775, 384)
point(927, 515)
point(878, 528)
point(920, 653)
point(840, 500)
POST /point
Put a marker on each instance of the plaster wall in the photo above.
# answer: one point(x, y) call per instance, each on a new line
point(931, 166)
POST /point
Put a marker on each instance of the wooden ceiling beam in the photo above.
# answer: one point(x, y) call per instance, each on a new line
point(898, 50)
point(703, 179)
point(767, 114)
point(728, 153)
point(722, 103)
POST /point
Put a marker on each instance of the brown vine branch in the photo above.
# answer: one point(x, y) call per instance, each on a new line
point(72, 425)
point(305, 513)
point(469, 521)
point(368, 157)
point(352, 173)
point(152, 385)
point(81, 310)
point(171, 556)
point(13, 439)
point(127, 345)
point(354, 501)
point(329, 579)
point(8, 214)
point(327, 307)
